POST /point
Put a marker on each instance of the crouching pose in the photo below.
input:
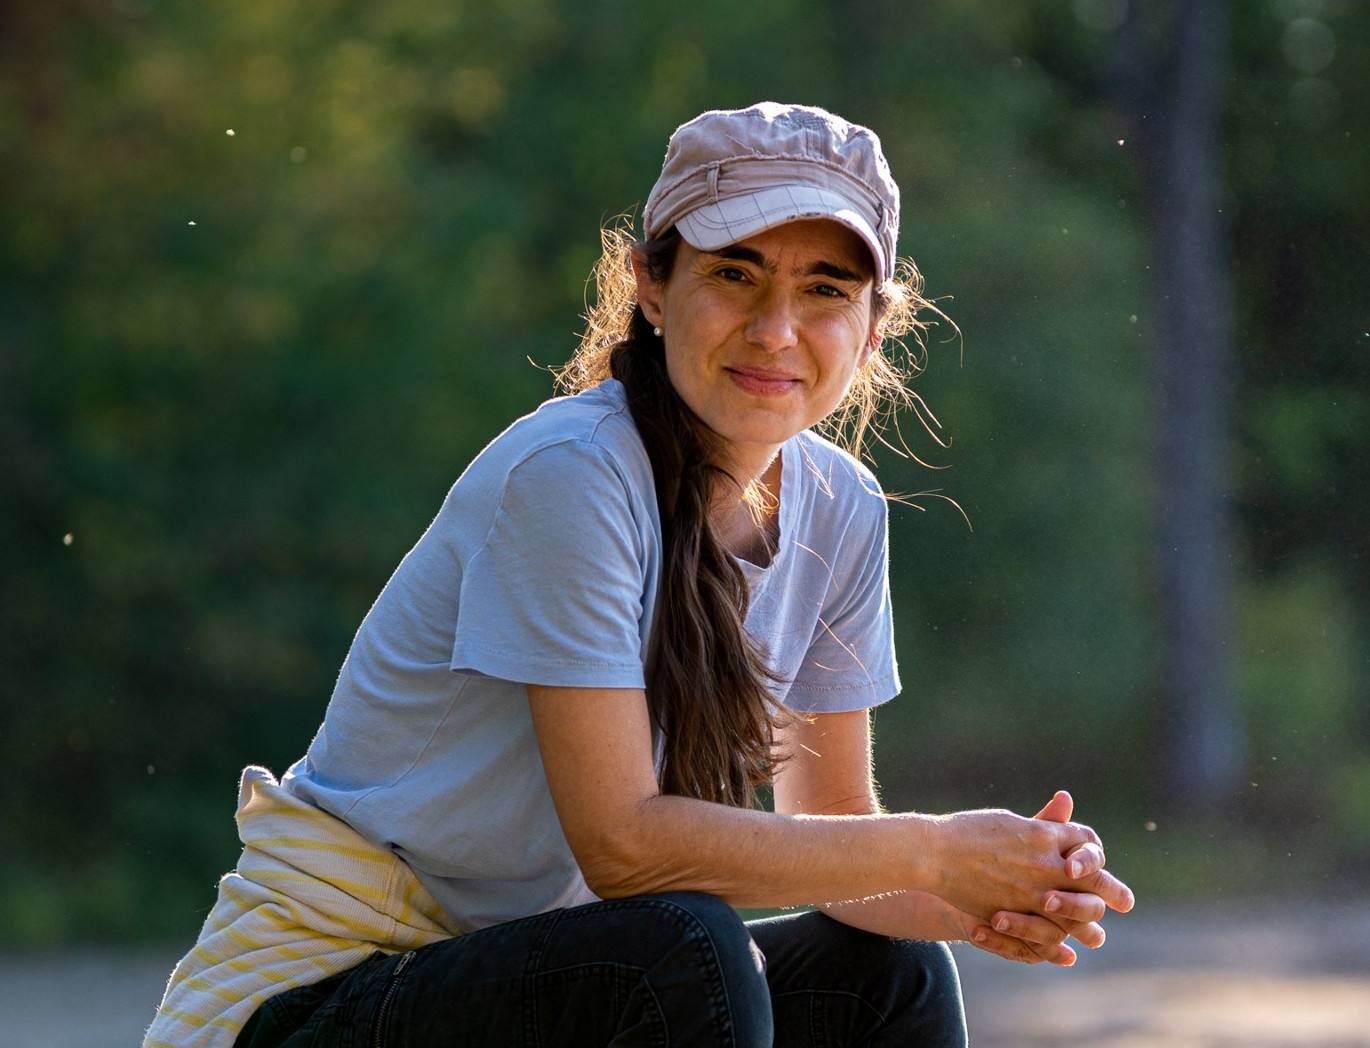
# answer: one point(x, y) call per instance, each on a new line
point(527, 815)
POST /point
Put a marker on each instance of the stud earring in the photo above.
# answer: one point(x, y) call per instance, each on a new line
point(656, 331)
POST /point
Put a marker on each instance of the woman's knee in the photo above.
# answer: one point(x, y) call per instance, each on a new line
point(930, 987)
point(707, 915)
point(929, 962)
point(711, 928)
point(709, 956)
point(861, 982)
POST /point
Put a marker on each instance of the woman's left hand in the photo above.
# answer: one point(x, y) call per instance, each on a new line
point(1026, 938)
point(1031, 939)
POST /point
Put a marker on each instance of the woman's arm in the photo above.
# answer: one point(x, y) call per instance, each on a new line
point(629, 839)
point(829, 772)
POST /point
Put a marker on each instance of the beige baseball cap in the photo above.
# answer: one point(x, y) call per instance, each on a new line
point(732, 173)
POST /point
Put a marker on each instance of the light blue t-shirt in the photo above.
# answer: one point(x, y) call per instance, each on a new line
point(542, 567)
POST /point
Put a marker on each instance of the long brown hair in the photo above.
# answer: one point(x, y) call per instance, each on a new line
point(708, 682)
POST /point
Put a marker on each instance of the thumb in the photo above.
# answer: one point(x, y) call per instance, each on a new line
point(1058, 809)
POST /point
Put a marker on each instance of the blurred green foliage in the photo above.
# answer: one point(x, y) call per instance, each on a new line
point(270, 273)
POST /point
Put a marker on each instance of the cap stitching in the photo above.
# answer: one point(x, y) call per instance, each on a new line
point(841, 169)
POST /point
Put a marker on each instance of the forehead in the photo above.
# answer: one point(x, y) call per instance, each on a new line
point(800, 244)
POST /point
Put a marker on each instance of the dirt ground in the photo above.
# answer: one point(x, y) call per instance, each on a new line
point(1249, 976)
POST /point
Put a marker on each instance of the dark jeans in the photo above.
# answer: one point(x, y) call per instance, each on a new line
point(659, 971)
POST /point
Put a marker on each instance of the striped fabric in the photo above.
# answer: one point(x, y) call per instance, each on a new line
point(310, 898)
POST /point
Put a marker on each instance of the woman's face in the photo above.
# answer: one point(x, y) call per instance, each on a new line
point(763, 337)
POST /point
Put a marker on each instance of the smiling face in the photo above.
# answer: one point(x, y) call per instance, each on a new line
point(763, 337)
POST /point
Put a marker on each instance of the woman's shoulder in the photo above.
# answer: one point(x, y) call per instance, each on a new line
point(599, 413)
point(597, 416)
point(834, 472)
point(565, 440)
point(594, 423)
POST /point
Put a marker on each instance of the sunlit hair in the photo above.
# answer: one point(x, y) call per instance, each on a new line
point(708, 682)
point(878, 391)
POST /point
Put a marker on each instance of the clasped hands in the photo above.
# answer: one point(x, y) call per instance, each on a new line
point(1071, 909)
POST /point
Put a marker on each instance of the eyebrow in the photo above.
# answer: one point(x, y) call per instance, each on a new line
point(818, 269)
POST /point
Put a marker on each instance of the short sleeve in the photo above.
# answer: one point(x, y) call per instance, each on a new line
point(850, 662)
point(559, 590)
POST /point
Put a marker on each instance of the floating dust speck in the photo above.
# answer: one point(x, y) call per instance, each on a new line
point(68, 539)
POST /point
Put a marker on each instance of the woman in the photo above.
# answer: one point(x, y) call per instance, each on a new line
point(526, 816)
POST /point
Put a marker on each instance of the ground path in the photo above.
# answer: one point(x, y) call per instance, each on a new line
point(1248, 976)
point(1241, 976)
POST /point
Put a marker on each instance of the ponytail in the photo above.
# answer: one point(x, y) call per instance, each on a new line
point(707, 683)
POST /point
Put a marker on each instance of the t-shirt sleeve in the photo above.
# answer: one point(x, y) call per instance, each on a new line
point(850, 663)
point(555, 592)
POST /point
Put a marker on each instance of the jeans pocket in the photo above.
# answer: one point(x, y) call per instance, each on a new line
point(281, 1017)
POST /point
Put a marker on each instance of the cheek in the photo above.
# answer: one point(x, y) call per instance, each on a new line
point(851, 348)
point(680, 367)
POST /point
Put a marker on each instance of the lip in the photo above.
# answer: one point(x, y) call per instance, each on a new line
point(763, 381)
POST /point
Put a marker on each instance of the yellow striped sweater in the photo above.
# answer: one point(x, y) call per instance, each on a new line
point(310, 898)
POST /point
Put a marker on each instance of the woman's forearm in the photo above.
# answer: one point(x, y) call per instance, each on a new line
point(757, 858)
point(904, 915)
point(630, 839)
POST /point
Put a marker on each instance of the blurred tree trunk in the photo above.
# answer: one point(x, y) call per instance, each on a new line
point(1179, 69)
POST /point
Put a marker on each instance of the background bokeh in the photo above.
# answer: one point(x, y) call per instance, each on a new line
point(272, 272)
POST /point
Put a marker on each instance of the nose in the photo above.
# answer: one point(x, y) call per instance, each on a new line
point(773, 325)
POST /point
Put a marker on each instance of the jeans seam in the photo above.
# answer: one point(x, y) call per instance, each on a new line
point(694, 931)
point(814, 998)
point(660, 1030)
point(699, 932)
point(531, 975)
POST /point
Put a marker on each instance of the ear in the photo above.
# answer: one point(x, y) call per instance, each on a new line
point(648, 290)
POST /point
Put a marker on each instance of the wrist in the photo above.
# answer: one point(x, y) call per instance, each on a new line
point(921, 858)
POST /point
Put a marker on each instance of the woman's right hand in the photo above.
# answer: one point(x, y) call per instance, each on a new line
point(996, 865)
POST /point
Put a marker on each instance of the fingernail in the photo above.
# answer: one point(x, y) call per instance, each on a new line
point(1075, 869)
point(1053, 904)
point(980, 936)
point(1001, 924)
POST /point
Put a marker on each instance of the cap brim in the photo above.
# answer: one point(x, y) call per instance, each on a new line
point(717, 225)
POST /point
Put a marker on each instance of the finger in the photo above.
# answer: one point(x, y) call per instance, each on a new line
point(1061, 955)
point(1030, 928)
point(1083, 907)
point(1085, 859)
point(1086, 933)
point(1073, 914)
point(1089, 934)
point(1041, 931)
point(1058, 809)
point(1011, 949)
point(1115, 894)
